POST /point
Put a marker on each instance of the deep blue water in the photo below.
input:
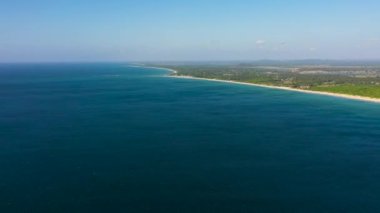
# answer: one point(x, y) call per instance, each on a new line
point(113, 138)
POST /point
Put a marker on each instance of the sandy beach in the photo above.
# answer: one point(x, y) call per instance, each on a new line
point(158, 68)
point(353, 97)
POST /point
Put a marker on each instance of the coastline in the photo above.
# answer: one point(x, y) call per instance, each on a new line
point(352, 97)
point(157, 68)
point(337, 95)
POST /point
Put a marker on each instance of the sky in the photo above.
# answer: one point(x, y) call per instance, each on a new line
point(188, 30)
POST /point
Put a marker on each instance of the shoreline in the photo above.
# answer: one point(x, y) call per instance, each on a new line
point(337, 95)
point(351, 97)
point(157, 68)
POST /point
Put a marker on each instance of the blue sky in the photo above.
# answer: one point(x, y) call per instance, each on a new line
point(128, 30)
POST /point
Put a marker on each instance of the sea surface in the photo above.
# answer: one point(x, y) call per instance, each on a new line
point(117, 138)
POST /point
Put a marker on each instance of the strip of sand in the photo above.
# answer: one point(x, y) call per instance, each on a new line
point(353, 97)
point(157, 68)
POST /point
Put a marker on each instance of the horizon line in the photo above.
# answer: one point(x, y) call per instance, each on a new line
point(192, 60)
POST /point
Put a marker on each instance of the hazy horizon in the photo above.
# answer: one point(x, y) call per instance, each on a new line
point(240, 30)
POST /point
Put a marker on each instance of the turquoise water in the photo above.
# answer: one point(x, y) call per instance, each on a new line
point(113, 138)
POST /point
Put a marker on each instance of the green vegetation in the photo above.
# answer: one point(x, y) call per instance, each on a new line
point(360, 80)
point(351, 89)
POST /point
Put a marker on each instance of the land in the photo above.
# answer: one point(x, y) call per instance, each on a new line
point(360, 79)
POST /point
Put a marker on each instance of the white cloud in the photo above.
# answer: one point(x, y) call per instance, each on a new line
point(260, 42)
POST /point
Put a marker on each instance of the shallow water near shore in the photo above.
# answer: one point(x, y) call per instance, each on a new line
point(116, 138)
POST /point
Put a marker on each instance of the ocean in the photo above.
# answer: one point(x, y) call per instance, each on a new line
point(110, 137)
